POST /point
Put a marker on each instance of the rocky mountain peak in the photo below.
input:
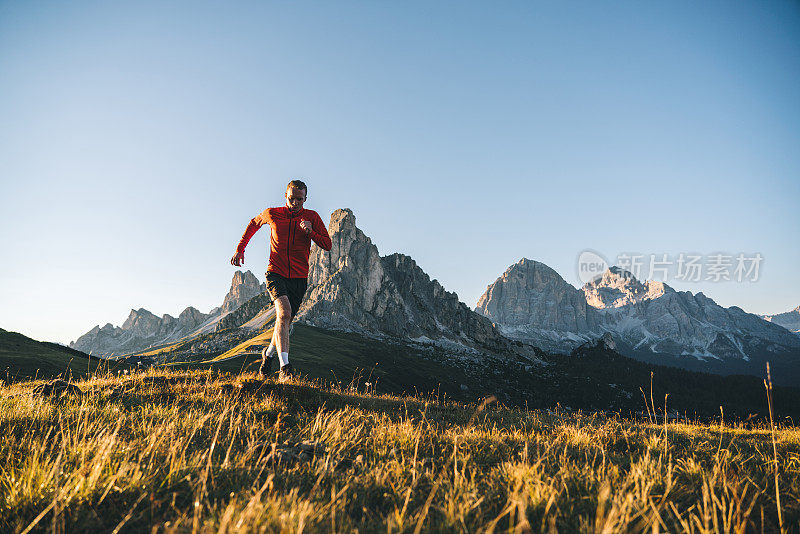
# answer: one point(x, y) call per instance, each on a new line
point(526, 274)
point(347, 286)
point(534, 271)
point(190, 311)
point(618, 287)
point(244, 286)
point(531, 294)
point(141, 322)
point(246, 278)
point(191, 316)
point(351, 251)
point(342, 220)
point(139, 318)
point(352, 287)
point(619, 272)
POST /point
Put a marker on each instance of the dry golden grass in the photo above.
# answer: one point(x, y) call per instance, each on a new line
point(190, 452)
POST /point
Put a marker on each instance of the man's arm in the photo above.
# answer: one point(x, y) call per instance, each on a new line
point(255, 223)
point(319, 234)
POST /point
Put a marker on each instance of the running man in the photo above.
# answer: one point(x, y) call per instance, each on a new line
point(293, 228)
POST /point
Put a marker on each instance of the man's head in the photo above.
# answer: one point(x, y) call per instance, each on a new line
point(296, 192)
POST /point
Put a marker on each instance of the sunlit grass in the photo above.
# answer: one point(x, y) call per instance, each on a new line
point(162, 350)
point(263, 338)
point(190, 451)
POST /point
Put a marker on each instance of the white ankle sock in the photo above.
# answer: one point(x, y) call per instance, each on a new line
point(284, 356)
point(270, 351)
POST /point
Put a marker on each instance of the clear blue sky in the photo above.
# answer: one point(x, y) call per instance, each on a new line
point(138, 138)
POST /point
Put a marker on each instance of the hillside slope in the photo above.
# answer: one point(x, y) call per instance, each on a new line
point(593, 377)
point(23, 357)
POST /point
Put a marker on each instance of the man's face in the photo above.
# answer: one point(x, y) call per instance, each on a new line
point(295, 198)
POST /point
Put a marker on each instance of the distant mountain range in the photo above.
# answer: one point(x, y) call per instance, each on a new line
point(649, 321)
point(143, 329)
point(527, 310)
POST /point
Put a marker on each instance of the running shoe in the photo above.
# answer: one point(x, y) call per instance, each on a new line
point(287, 373)
point(266, 363)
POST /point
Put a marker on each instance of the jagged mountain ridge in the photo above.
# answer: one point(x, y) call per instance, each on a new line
point(244, 286)
point(143, 329)
point(651, 321)
point(353, 288)
point(692, 320)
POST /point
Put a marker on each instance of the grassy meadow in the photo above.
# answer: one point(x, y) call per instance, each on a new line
point(198, 451)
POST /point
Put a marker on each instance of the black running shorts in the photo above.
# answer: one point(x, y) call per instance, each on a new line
point(293, 288)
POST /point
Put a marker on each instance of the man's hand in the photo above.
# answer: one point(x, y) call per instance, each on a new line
point(306, 226)
point(238, 259)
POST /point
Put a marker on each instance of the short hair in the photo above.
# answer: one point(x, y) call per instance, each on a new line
point(299, 185)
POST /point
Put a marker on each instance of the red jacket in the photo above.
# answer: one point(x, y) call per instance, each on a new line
point(289, 244)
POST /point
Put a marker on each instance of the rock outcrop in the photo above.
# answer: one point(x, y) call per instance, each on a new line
point(604, 343)
point(244, 286)
point(353, 288)
point(617, 287)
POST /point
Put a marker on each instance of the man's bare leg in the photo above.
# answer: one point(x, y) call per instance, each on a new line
point(280, 336)
point(283, 316)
